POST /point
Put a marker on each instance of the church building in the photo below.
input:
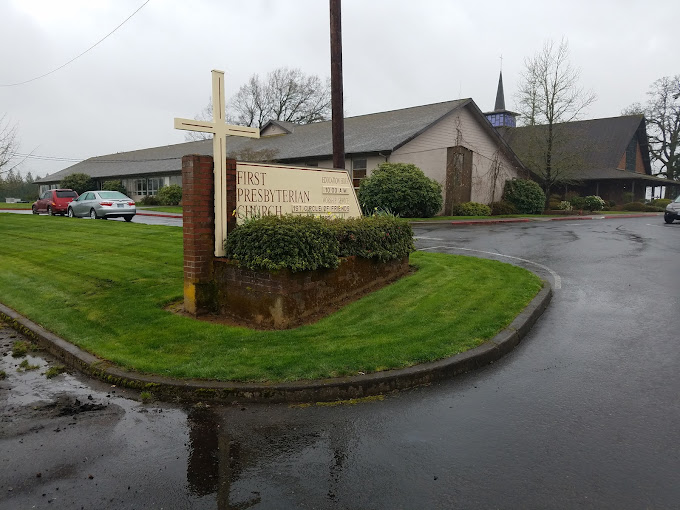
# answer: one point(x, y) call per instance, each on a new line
point(452, 142)
point(605, 157)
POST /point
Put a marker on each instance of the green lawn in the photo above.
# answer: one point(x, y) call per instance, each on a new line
point(5, 205)
point(161, 208)
point(102, 285)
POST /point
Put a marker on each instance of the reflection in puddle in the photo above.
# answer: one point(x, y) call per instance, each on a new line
point(90, 440)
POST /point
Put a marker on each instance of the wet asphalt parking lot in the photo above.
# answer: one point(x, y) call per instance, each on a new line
point(584, 413)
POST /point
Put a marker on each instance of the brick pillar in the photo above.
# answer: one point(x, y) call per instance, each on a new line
point(231, 194)
point(199, 233)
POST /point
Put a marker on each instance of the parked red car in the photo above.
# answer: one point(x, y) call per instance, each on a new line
point(54, 201)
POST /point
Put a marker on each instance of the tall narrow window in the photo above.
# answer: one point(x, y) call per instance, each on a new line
point(140, 187)
point(358, 171)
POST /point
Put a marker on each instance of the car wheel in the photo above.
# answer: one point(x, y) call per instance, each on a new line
point(93, 214)
point(668, 218)
point(35, 211)
point(71, 213)
point(128, 218)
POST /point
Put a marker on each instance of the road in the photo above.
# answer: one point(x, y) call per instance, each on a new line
point(584, 413)
point(148, 218)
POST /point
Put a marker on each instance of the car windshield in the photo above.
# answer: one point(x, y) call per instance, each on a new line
point(66, 194)
point(112, 194)
point(677, 199)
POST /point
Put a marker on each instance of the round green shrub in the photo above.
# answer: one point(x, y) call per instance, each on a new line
point(471, 209)
point(502, 208)
point(79, 182)
point(578, 203)
point(661, 202)
point(114, 186)
point(401, 188)
point(526, 195)
point(170, 195)
point(148, 200)
point(593, 203)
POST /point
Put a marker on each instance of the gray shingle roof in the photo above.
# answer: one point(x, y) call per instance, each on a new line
point(599, 143)
point(373, 133)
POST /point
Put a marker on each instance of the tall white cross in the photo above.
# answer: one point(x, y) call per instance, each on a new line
point(220, 130)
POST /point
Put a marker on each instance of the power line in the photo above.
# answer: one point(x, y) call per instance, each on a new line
point(77, 56)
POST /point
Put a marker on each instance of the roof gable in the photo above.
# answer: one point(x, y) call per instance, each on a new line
point(598, 143)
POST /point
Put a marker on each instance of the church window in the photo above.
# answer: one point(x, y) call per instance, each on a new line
point(154, 185)
point(630, 155)
point(358, 171)
point(140, 186)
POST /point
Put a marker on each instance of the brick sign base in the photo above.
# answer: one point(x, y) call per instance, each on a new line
point(283, 299)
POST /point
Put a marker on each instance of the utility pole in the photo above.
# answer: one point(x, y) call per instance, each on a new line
point(338, 122)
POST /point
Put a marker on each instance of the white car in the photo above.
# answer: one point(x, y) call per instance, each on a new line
point(102, 205)
point(672, 211)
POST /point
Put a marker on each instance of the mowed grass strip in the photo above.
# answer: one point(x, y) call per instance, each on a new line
point(174, 209)
point(103, 285)
point(6, 205)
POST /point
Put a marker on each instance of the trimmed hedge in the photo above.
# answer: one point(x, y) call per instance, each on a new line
point(471, 209)
point(502, 208)
point(402, 189)
point(306, 243)
point(381, 237)
point(527, 196)
point(639, 207)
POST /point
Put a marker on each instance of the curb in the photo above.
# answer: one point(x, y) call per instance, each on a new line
point(605, 217)
point(532, 220)
point(343, 388)
point(491, 222)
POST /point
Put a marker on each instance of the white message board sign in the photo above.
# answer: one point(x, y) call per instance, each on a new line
point(268, 189)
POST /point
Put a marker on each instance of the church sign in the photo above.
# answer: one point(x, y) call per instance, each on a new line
point(264, 189)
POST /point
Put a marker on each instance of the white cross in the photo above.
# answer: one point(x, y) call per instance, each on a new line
point(220, 131)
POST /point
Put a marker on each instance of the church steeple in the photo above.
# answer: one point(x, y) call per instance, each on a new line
point(500, 117)
point(500, 97)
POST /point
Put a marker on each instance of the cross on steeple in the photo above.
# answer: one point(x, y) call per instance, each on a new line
point(220, 131)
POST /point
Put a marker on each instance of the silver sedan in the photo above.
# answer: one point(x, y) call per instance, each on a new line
point(102, 205)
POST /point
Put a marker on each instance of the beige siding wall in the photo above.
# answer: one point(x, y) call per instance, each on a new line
point(428, 151)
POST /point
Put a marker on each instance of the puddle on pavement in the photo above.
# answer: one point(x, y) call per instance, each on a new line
point(72, 441)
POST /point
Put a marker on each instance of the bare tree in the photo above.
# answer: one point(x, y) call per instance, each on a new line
point(286, 94)
point(549, 95)
point(8, 144)
point(662, 111)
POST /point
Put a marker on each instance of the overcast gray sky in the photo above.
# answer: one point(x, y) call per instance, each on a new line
point(124, 94)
